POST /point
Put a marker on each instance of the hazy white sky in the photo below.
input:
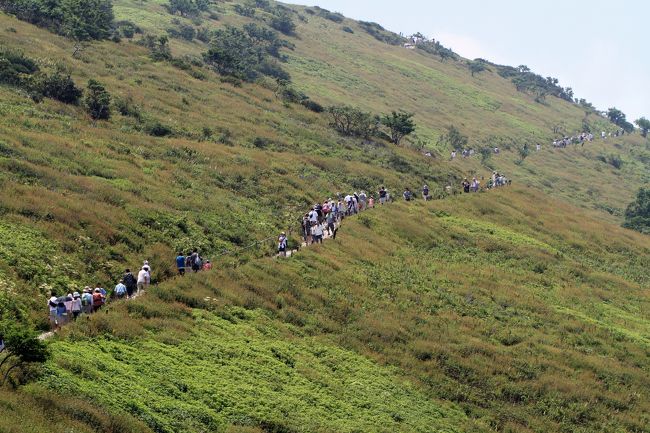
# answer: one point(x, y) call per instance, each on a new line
point(597, 47)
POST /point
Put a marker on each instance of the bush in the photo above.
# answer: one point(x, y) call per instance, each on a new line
point(158, 47)
point(188, 7)
point(59, 86)
point(157, 129)
point(353, 122)
point(313, 106)
point(81, 20)
point(381, 34)
point(347, 29)
point(203, 35)
point(14, 66)
point(245, 11)
point(127, 29)
point(333, 16)
point(283, 23)
point(637, 215)
point(234, 52)
point(126, 107)
point(98, 101)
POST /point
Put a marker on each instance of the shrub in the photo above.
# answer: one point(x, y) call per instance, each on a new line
point(234, 52)
point(245, 11)
point(157, 129)
point(86, 20)
point(381, 34)
point(353, 122)
point(283, 23)
point(158, 47)
point(187, 7)
point(59, 86)
point(203, 35)
point(347, 29)
point(126, 107)
point(186, 32)
point(312, 105)
point(637, 214)
point(127, 29)
point(332, 16)
point(98, 101)
point(14, 66)
point(400, 124)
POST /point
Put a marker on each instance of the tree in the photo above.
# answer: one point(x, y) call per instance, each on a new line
point(59, 86)
point(400, 124)
point(644, 126)
point(637, 215)
point(187, 7)
point(98, 101)
point(453, 138)
point(87, 19)
point(477, 66)
point(21, 349)
point(523, 68)
point(353, 122)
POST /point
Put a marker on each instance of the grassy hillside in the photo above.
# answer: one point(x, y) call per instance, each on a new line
point(520, 310)
point(522, 321)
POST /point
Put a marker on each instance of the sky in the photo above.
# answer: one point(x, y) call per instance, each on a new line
point(599, 48)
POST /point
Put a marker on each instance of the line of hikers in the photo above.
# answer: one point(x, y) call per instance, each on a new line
point(64, 309)
point(495, 181)
point(191, 262)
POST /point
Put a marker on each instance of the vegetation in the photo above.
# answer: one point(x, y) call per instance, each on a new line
point(637, 215)
point(80, 20)
point(644, 126)
point(282, 22)
point(522, 309)
point(245, 54)
point(98, 101)
point(353, 122)
point(617, 117)
point(381, 34)
point(188, 7)
point(477, 66)
point(21, 351)
point(400, 124)
point(437, 49)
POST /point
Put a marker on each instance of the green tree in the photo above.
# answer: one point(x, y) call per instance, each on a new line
point(98, 101)
point(22, 348)
point(637, 215)
point(353, 122)
point(87, 19)
point(644, 126)
point(477, 66)
point(187, 7)
point(399, 124)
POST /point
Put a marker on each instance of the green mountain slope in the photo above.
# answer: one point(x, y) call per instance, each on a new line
point(519, 310)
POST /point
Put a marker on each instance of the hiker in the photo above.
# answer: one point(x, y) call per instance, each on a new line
point(282, 244)
point(538, 147)
point(408, 195)
point(87, 301)
point(494, 178)
point(207, 266)
point(317, 234)
point(144, 279)
point(180, 263)
point(425, 193)
point(98, 300)
point(130, 282)
point(362, 200)
point(476, 185)
point(120, 290)
point(197, 263)
point(382, 195)
point(331, 226)
point(465, 184)
point(61, 312)
point(76, 305)
point(306, 229)
point(52, 304)
point(371, 202)
point(313, 216)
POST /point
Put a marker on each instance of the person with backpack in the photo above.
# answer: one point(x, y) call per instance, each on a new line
point(408, 196)
point(382, 195)
point(52, 304)
point(130, 282)
point(317, 233)
point(425, 193)
point(282, 244)
point(61, 312)
point(466, 185)
point(86, 301)
point(76, 305)
point(144, 279)
point(98, 300)
point(188, 261)
point(120, 290)
point(331, 226)
point(207, 266)
point(180, 263)
point(196, 261)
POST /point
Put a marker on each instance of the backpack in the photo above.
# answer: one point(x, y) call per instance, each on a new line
point(129, 280)
point(86, 299)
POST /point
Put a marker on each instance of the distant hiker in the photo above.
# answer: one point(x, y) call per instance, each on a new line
point(317, 234)
point(538, 147)
point(382, 195)
point(466, 185)
point(98, 300)
point(87, 301)
point(52, 304)
point(306, 229)
point(476, 185)
point(362, 200)
point(144, 279)
point(453, 154)
point(207, 266)
point(180, 263)
point(425, 193)
point(331, 226)
point(130, 282)
point(494, 178)
point(76, 305)
point(61, 312)
point(371, 202)
point(196, 261)
point(120, 290)
point(408, 195)
point(282, 244)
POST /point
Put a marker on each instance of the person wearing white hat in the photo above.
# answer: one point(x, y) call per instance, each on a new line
point(144, 279)
point(282, 244)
